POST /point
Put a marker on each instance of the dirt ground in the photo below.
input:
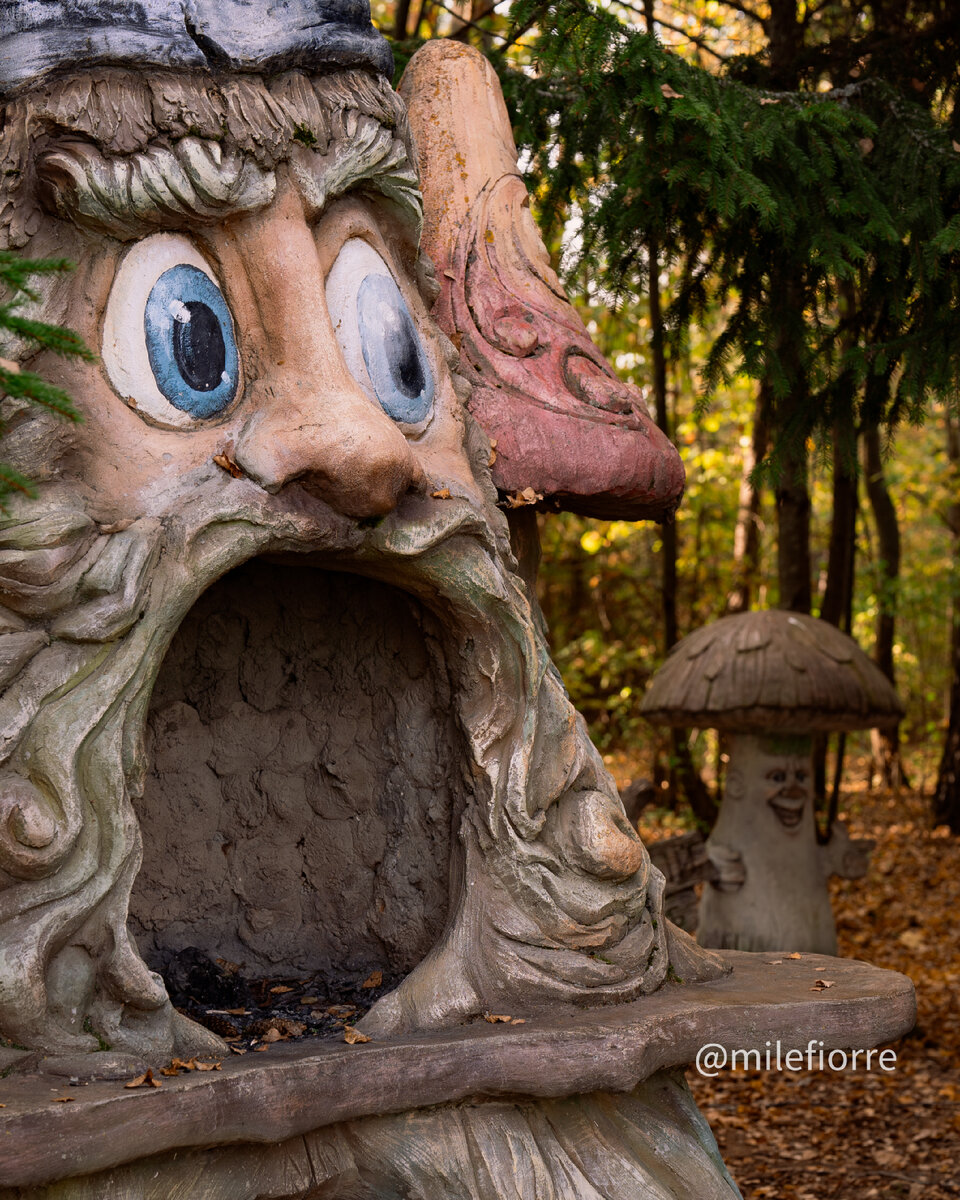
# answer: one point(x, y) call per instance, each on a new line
point(845, 1135)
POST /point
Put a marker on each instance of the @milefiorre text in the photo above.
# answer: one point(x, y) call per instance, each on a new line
point(714, 1058)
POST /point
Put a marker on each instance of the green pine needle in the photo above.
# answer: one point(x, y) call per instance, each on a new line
point(16, 274)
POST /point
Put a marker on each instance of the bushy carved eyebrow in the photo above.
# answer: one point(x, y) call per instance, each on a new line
point(158, 188)
point(195, 181)
point(128, 155)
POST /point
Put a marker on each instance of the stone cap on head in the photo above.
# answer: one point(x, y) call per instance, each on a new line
point(773, 671)
point(41, 37)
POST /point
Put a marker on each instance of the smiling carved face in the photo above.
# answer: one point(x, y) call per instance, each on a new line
point(788, 787)
point(269, 383)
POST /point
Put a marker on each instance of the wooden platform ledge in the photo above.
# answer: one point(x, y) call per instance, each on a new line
point(296, 1088)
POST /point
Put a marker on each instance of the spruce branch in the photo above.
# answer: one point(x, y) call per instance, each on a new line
point(16, 276)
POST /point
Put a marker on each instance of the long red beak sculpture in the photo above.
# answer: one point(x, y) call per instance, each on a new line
point(564, 424)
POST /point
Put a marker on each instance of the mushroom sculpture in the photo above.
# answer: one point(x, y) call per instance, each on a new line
point(769, 681)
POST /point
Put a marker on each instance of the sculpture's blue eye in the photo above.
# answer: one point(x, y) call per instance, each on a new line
point(395, 359)
point(377, 334)
point(190, 342)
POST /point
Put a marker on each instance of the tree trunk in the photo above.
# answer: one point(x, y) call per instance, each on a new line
point(793, 528)
point(684, 776)
point(746, 536)
point(946, 803)
point(888, 544)
point(838, 594)
point(784, 31)
point(668, 560)
point(837, 605)
point(400, 18)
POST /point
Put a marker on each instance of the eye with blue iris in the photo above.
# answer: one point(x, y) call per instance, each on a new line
point(377, 335)
point(190, 341)
point(169, 344)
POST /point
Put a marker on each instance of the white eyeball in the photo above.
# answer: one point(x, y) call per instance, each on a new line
point(377, 335)
point(169, 345)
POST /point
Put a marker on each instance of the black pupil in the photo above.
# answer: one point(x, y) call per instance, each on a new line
point(406, 366)
point(198, 346)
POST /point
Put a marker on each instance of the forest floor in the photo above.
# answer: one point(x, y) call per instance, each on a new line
point(812, 1135)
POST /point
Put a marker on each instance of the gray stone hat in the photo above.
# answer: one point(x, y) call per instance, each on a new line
point(39, 37)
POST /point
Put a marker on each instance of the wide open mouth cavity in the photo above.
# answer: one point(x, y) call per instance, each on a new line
point(307, 773)
point(789, 812)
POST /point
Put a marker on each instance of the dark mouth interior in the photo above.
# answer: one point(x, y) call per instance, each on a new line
point(788, 812)
point(306, 774)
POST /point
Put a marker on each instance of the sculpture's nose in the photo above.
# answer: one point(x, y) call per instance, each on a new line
point(794, 792)
point(327, 435)
point(310, 421)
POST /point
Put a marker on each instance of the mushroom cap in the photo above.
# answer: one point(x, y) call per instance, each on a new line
point(772, 670)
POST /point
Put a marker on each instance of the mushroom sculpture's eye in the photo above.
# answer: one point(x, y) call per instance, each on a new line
point(377, 336)
point(169, 345)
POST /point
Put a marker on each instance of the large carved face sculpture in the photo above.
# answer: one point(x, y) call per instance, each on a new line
point(270, 384)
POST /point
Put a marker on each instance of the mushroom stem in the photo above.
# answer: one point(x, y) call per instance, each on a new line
point(771, 891)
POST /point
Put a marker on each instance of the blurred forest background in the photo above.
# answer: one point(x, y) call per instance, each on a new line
point(756, 207)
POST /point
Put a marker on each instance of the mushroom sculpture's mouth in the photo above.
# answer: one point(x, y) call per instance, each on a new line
point(788, 809)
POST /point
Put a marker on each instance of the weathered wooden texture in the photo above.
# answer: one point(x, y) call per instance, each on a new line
point(685, 863)
point(38, 39)
point(292, 1090)
point(282, 198)
point(563, 423)
point(770, 670)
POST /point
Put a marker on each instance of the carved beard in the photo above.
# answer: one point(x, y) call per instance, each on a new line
point(556, 872)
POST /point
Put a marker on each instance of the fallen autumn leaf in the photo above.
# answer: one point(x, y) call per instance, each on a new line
point(144, 1080)
point(228, 465)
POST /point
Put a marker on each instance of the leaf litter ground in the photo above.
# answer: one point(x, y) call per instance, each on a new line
point(252, 1013)
point(808, 1135)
